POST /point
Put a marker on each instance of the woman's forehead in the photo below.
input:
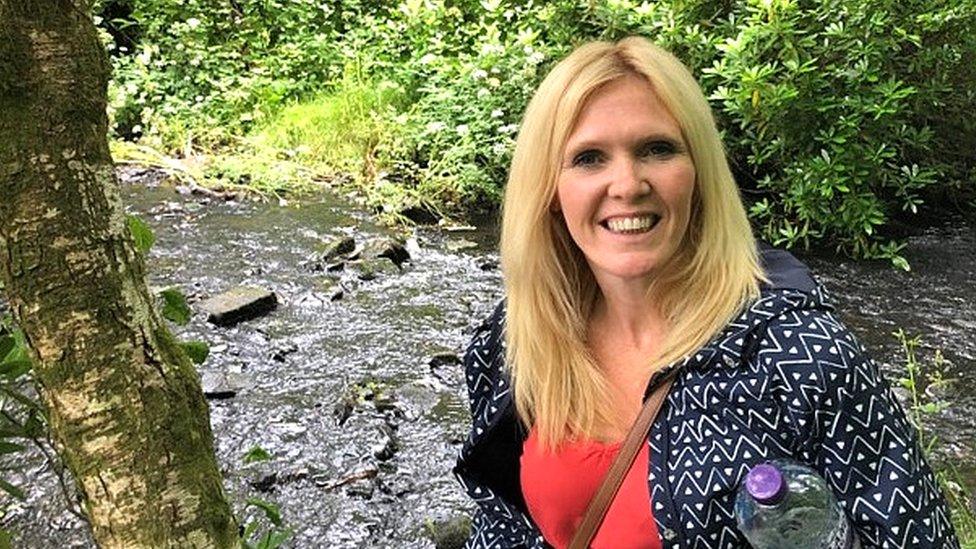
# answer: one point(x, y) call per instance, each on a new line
point(622, 108)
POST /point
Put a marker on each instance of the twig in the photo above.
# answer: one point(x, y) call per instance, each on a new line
point(352, 477)
point(73, 506)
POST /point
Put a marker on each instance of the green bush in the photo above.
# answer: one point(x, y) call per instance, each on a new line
point(838, 115)
point(823, 103)
point(210, 70)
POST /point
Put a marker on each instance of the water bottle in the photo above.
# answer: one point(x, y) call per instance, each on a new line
point(783, 504)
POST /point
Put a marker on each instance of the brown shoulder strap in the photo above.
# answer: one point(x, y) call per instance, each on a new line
point(598, 506)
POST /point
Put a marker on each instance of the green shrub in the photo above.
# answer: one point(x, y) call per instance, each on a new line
point(209, 70)
point(838, 115)
point(818, 101)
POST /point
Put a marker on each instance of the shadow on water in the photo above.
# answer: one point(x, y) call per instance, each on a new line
point(360, 401)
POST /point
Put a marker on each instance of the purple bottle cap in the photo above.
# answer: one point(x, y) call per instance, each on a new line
point(765, 484)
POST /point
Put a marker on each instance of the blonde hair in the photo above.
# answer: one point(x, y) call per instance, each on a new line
point(549, 288)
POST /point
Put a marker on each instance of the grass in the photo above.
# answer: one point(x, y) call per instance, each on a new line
point(331, 139)
point(337, 132)
point(950, 479)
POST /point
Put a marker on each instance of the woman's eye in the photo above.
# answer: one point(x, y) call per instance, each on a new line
point(659, 148)
point(587, 158)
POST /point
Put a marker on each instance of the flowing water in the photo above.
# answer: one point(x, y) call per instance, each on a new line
point(362, 421)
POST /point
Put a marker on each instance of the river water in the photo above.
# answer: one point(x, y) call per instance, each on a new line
point(343, 390)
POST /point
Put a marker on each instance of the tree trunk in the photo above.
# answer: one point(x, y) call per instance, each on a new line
point(125, 405)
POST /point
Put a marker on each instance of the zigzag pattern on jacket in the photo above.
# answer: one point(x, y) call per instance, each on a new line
point(785, 379)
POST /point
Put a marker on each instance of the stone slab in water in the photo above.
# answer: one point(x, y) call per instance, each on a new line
point(239, 304)
point(221, 385)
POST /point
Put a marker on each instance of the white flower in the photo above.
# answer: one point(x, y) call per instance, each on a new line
point(435, 127)
point(508, 128)
point(497, 113)
point(536, 58)
point(193, 22)
point(483, 92)
point(479, 73)
point(428, 59)
point(488, 49)
point(462, 130)
point(145, 56)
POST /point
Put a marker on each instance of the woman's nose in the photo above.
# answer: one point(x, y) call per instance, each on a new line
point(627, 180)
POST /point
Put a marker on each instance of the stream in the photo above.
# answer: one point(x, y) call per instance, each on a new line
point(360, 399)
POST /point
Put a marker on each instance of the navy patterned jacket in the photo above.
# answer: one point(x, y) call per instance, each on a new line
point(784, 379)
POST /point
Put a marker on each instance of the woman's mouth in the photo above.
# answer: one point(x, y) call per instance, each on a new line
point(631, 225)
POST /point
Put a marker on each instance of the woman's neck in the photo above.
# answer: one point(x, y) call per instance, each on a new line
point(630, 314)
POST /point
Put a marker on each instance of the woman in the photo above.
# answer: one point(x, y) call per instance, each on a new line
point(627, 253)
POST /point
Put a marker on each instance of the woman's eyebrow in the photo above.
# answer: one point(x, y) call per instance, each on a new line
point(597, 143)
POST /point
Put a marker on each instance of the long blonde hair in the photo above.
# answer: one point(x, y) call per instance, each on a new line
point(549, 288)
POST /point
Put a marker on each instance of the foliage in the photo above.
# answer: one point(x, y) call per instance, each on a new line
point(838, 115)
point(276, 534)
point(832, 137)
point(338, 130)
point(272, 537)
point(22, 418)
point(917, 376)
point(256, 454)
point(207, 71)
point(142, 235)
point(175, 308)
point(198, 351)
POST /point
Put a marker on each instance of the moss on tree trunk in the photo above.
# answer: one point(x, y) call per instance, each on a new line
point(125, 404)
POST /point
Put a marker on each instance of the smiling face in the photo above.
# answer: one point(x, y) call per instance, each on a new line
point(626, 182)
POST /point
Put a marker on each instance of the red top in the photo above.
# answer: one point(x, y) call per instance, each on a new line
point(558, 486)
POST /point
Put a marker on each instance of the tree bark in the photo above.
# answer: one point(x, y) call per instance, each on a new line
point(125, 405)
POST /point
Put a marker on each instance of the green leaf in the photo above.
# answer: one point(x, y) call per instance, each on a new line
point(12, 430)
point(273, 539)
point(9, 447)
point(33, 427)
point(249, 530)
point(24, 400)
point(929, 408)
point(198, 351)
point(175, 308)
point(15, 368)
point(12, 490)
point(141, 233)
point(7, 344)
point(270, 509)
point(256, 454)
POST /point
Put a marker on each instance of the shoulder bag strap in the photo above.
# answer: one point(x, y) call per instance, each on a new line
point(598, 506)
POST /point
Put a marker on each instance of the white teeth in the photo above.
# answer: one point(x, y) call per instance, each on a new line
point(630, 224)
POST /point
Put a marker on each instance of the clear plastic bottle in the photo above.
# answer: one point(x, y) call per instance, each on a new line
point(783, 504)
